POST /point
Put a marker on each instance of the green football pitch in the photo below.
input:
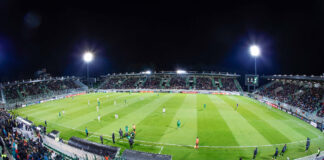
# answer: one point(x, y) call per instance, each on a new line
point(224, 133)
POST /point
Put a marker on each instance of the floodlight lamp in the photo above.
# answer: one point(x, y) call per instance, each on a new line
point(181, 72)
point(147, 72)
point(255, 51)
point(87, 57)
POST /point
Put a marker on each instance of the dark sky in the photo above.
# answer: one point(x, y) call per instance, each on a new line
point(136, 37)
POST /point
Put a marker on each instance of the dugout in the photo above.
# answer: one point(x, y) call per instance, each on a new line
point(136, 155)
point(93, 147)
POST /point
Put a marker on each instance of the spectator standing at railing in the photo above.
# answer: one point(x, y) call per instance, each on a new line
point(283, 150)
point(120, 133)
point(276, 154)
point(307, 144)
point(131, 142)
point(113, 137)
point(255, 152)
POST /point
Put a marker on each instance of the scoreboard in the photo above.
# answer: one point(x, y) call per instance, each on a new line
point(251, 80)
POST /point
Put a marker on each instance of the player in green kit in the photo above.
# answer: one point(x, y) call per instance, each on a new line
point(205, 106)
point(126, 129)
point(178, 123)
point(59, 114)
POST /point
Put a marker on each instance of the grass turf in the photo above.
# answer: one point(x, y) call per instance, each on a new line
point(224, 133)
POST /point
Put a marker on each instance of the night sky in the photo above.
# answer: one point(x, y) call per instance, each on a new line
point(137, 37)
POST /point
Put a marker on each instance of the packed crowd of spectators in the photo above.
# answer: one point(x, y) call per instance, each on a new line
point(299, 95)
point(19, 146)
point(204, 83)
point(112, 83)
point(130, 83)
point(320, 113)
point(228, 84)
point(152, 83)
point(169, 82)
point(11, 92)
point(23, 90)
point(61, 85)
point(178, 82)
point(30, 89)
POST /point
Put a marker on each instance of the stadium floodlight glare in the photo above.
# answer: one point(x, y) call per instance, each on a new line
point(255, 51)
point(87, 57)
point(147, 72)
point(181, 71)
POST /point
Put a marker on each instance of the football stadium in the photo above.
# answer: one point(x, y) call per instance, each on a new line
point(154, 106)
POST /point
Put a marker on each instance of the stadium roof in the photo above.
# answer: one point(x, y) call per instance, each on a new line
point(36, 80)
point(223, 74)
point(296, 77)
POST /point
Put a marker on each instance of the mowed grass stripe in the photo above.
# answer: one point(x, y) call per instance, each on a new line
point(134, 115)
point(260, 107)
point(106, 102)
point(65, 132)
point(37, 107)
point(90, 113)
point(93, 124)
point(255, 120)
point(187, 114)
point(46, 107)
point(271, 117)
point(212, 128)
point(300, 127)
point(153, 126)
point(67, 104)
point(78, 106)
point(244, 133)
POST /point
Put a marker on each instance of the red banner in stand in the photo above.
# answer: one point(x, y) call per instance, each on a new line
point(221, 93)
point(147, 91)
point(273, 105)
point(190, 92)
point(71, 95)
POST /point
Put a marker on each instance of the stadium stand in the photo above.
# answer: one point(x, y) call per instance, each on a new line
point(33, 89)
point(152, 83)
point(172, 80)
point(204, 83)
point(22, 147)
point(228, 84)
point(111, 82)
point(130, 82)
point(306, 95)
point(136, 155)
point(178, 82)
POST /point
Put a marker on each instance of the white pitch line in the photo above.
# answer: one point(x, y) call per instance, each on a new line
point(161, 150)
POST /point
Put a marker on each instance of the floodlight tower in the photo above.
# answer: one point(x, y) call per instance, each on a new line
point(255, 52)
point(87, 57)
